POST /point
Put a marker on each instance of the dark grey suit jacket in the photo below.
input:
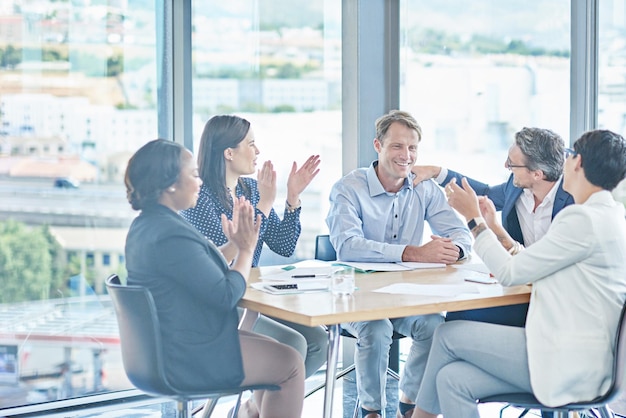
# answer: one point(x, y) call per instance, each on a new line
point(196, 296)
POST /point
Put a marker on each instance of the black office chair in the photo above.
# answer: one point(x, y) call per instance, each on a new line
point(528, 401)
point(142, 355)
point(325, 251)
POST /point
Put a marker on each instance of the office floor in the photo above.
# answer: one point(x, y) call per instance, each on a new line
point(313, 405)
point(345, 393)
point(343, 407)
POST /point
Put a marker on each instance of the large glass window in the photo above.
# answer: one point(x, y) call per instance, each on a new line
point(77, 98)
point(78, 95)
point(474, 73)
point(612, 72)
point(612, 66)
point(277, 64)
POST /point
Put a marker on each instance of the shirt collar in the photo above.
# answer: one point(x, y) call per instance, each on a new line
point(376, 187)
point(548, 200)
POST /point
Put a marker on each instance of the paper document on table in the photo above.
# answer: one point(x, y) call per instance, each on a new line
point(362, 267)
point(477, 267)
point(428, 289)
point(415, 265)
point(298, 273)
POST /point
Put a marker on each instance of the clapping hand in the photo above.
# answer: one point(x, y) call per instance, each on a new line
point(300, 178)
point(266, 182)
point(464, 199)
point(243, 229)
point(488, 210)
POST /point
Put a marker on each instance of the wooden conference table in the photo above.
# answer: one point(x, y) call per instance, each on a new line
point(322, 308)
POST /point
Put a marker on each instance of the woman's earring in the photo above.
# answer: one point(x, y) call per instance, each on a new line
point(171, 189)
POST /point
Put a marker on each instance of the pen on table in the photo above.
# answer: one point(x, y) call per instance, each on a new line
point(308, 276)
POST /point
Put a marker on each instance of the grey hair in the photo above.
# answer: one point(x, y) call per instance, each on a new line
point(544, 150)
point(384, 122)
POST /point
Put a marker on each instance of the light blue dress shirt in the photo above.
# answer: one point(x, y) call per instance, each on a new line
point(368, 224)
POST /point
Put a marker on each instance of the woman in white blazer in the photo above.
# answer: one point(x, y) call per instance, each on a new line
point(578, 274)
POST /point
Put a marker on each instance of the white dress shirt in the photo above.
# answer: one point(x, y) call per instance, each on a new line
point(535, 222)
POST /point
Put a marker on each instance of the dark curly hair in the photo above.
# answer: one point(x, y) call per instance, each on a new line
point(152, 169)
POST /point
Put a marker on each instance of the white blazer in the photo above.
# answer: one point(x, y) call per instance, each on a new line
point(578, 273)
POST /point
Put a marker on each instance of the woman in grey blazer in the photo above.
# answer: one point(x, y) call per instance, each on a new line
point(195, 292)
point(578, 276)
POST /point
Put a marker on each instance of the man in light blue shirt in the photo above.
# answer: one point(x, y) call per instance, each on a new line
point(377, 215)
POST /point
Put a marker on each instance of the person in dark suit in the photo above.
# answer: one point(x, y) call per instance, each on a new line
point(529, 200)
point(196, 293)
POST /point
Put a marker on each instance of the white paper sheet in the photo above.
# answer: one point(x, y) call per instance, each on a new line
point(428, 289)
point(477, 267)
point(414, 265)
point(298, 273)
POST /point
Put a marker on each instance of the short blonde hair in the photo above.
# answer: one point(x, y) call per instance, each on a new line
point(384, 122)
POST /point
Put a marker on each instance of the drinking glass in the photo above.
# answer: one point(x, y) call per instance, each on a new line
point(342, 281)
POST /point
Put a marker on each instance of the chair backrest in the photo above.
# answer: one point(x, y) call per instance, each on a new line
point(141, 346)
point(618, 385)
point(140, 337)
point(324, 249)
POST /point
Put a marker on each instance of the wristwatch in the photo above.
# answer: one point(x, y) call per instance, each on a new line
point(473, 223)
point(292, 209)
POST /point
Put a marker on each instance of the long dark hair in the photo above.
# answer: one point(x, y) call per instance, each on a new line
point(152, 169)
point(220, 132)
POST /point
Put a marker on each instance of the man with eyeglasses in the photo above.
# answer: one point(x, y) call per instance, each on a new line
point(529, 200)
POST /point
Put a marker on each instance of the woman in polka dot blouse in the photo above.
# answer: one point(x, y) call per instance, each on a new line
point(227, 152)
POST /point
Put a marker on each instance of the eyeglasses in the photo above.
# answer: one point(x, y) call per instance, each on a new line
point(570, 151)
point(511, 166)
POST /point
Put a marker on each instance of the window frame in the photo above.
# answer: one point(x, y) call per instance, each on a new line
point(369, 56)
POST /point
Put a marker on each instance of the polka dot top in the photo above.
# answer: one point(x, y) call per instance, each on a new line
point(279, 235)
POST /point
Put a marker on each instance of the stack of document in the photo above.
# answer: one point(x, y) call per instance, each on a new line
point(311, 269)
point(314, 275)
point(289, 273)
point(306, 276)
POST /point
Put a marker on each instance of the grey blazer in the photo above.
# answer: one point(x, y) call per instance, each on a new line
point(196, 296)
